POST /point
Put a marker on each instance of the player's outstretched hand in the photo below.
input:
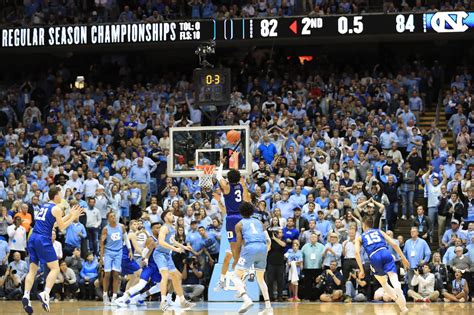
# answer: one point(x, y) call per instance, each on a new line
point(179, 250)
point(406, 264)
point(76, 211)
point(361, 274)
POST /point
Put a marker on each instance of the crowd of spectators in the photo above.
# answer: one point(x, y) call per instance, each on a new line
point(50, 12)
point(329, 148)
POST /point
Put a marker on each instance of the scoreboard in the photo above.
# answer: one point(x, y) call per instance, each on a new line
point(337, 26)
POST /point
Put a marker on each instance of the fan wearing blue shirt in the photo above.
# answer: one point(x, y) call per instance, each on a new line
point(290, 233)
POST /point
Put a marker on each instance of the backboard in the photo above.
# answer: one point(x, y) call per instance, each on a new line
point(191, 146)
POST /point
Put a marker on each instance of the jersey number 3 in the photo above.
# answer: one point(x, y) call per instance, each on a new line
point(238, 196)
point(372, 237)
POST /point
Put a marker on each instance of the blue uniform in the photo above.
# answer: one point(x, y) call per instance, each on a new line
point(129, 266)
point(162, 256)
point(380, 257)
point(113, 249)
point(151, 272)
point(255, 248)
point(232, 202)
point(40, 244)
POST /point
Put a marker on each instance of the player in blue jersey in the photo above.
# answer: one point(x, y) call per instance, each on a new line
point(235, 191)
point(252, 245)
point(149, 273)
point(40, 245)
point(374, 242)
point(130, 267)
point(164, 261)
point(112, 239)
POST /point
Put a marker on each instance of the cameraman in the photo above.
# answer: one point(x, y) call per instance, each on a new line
point(192, 274)
point(10, 285)
point(330, 282)
point(356, 289)
point(426, 285)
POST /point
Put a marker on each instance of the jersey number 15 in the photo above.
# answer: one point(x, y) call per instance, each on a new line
point(372, 237)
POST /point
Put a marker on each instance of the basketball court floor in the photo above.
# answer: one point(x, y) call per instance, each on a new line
point(220, 308)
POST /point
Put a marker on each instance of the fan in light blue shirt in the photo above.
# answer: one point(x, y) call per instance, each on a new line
point(416, 249)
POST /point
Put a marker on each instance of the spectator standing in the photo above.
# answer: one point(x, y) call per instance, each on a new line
point(74, 235)
point(141, 175)
point(290, 233)
point(423, 223)
point(17, 235)
point(312, 264)
point(433, 192)
point(294, 259)
point(276, 264)
point(407, 188)
point(93, 224)
point(417, 252)
point(332, 251)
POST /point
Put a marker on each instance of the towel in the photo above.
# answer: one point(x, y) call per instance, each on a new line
point(293, 273)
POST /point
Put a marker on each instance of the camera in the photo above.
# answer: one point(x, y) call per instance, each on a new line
point(323, 281)
point(420, 270)
point(190, 260)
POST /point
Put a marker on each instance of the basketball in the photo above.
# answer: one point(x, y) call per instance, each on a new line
point(233, 136)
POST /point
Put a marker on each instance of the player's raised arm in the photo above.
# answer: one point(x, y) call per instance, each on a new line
point(222, 182)
point(62, 223)
point(127, 242)
point(246, 194)
point(397, 249)
point(133, 240)
point(357, 244)
point(221, 205)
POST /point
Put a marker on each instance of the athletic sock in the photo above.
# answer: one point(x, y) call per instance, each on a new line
point(47, 291)
point(163, 298)
point(268, 304)
point(181, 298)
point(27, 294)
point(114, 296)
point(246, 298)
point(222, 278)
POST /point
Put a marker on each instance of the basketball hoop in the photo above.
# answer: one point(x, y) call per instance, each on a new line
point(205, 176)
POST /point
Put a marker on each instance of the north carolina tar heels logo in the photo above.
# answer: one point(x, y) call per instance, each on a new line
point(449, 22)
point(115, 236)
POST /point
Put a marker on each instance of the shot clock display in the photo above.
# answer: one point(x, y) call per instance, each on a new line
point(212, 87)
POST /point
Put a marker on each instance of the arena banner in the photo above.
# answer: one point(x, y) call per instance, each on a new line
point(240, 29)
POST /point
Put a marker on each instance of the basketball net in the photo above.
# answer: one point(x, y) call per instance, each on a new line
point(205, 176)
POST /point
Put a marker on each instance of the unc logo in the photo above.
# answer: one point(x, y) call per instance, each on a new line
point(454, 20)
point(115, 236)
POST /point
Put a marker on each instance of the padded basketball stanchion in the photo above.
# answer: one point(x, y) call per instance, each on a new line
point(228, 295)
